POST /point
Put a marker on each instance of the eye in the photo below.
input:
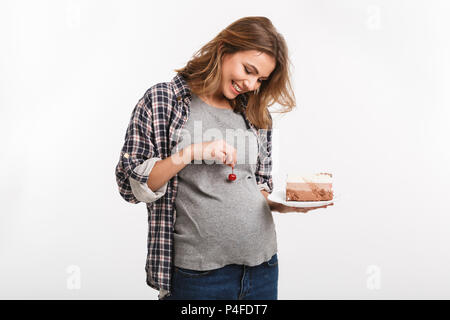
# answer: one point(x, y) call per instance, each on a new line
point(246, 70)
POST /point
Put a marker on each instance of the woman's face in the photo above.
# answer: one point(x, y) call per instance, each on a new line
point(247, 69)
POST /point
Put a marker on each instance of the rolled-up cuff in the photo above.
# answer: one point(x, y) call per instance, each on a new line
point(140, 189)
point(264, 186)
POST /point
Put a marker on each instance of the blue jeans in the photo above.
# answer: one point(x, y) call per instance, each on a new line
point(232, 282)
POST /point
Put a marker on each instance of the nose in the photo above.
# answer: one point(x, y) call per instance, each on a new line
point(250, 85)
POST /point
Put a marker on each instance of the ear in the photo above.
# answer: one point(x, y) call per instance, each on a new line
point(223, 57)
point(222, 50)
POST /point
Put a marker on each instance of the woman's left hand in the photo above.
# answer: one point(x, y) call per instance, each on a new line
point(281, 208)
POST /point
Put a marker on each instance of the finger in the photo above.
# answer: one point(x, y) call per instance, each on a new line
point(229, 159)
point(296, 209)
point(227, 152)
point(220, 157)
point(209, 151)
point(224, 146)
point(230, 155)
point(225, 158)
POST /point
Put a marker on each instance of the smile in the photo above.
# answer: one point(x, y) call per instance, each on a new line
point(236, 87)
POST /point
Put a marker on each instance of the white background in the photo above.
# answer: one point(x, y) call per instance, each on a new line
point(371, 80)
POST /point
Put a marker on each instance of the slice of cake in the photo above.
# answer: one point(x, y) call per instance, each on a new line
point(311, 187)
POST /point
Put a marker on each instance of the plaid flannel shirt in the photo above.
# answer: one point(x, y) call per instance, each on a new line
point(152, 133)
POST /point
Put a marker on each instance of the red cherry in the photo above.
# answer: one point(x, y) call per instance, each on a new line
point(231, 177)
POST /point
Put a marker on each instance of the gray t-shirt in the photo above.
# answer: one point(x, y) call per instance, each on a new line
point(219, 222)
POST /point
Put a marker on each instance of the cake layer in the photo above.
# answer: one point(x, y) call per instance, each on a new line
point(308, 191)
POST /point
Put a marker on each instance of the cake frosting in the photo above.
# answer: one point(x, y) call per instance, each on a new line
point(309, 187)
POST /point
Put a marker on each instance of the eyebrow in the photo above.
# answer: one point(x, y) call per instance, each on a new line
point(256, 70)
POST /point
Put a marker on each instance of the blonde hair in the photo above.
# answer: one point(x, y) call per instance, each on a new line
point(203, 71)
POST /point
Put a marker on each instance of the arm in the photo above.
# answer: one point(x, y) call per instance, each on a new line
point(164, 170)
point(140, 152)
point(217, 150)
point(156, 185)
point(141, 174)
point(272, 205)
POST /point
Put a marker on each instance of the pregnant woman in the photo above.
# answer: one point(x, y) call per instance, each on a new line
point(198, 152)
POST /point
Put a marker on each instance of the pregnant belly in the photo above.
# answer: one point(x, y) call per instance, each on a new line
point(228, 211)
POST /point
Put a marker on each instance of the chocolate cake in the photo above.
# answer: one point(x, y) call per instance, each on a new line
point(311, 187)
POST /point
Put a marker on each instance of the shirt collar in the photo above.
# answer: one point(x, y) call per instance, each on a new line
point(181, 87)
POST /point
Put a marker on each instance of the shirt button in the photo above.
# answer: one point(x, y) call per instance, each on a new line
point(126, 155)
point(179, 98)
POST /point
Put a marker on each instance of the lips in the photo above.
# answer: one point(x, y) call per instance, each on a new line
point(234, 83)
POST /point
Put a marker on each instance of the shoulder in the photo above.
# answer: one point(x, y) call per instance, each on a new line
point(160, 93)
point(159, 98)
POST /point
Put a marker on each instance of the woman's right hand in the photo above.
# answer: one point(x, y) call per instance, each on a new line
point(218, 151)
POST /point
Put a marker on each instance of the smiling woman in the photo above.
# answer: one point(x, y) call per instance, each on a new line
point(211, 233)
point(247, 60)
point(237, 75)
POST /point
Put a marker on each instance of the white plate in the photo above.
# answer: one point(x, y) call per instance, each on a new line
point(280, 197)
